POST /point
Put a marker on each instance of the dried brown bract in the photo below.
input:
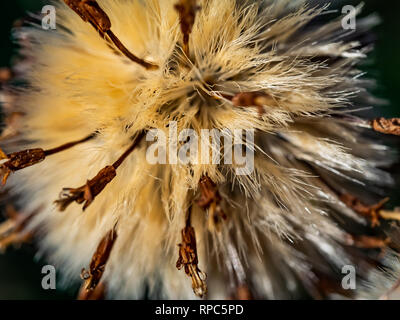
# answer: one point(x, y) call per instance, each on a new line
point(90, 11)
point(87, 193)
point(209, 192)
point(13, 230)
point(242, 292)
point(5, 75)
point(368, 242)
point(27, 158)
point(20, 160)
point(387, 126)
point(98, 263)
point(253, 99)
point(12, 122)
point(372, 212)
point(187, 15)
point(99, 293)
point(210, 199)
point(189, 261)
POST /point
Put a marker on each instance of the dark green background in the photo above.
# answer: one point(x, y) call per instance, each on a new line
point(20, 277)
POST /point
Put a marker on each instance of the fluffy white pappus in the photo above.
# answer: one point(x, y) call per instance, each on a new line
point(286, 229)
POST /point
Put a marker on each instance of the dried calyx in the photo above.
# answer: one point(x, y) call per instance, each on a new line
point(386, 126)
point(368, 242)
point(187, 10)
point(90, 11)
point(13, 231)
point(253, 99)
point(210, 199)
point(93, 275)
point(99, 293)
point(188, 259)
point(12, 121)
point(26, 158)
point(242, 292)
point(88, 192)
point(373, 212)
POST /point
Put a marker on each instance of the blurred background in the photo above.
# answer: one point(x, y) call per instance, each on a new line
point(20, 270)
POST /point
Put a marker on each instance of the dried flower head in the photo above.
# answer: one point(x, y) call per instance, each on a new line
point(114, 70)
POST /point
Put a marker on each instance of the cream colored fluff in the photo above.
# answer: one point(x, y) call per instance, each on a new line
point(80, 85)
